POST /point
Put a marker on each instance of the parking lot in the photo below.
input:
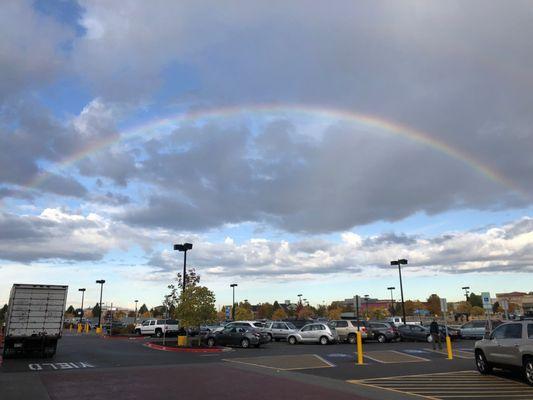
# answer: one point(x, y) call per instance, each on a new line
point(128, 369)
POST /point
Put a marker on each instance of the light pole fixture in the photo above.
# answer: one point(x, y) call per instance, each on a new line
point(399, 263)
point(233, 285)
point(82, 290)
point(300, 298)
point(467, 293)
point(135, 316)
point(183, 247)
point(391, 288)
point(101, 282)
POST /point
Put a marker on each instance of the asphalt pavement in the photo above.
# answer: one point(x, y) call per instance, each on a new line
point(88, 366)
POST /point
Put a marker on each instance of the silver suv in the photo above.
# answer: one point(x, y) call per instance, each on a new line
point(314, 333)
point(509, 346)
point(279, 330)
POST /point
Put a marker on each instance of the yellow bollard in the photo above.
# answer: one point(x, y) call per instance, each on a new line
point(86, 328)
point(80, 328)
point(449, 348)
point(98, 330)
point(182, 341)
point(359, 348)
point(70, 327)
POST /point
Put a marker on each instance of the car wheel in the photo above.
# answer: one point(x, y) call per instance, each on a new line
point(269, 337)
point(482, 364)
point(245, 343)
point(211, 342)
point(528, 370)
point(138, 332)
point(352, 338)
point(292, 340)
point(382, 338)
point(158, 333)
point(324, 340)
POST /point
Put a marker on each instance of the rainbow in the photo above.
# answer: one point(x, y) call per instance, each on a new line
point(372, 122)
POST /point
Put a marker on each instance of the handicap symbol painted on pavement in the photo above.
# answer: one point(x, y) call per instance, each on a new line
point(412, 351)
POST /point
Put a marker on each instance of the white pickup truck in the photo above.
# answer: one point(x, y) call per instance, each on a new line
point(157, 327)
point(34, 321)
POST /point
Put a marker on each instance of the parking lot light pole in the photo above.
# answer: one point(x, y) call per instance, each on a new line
point(82, 290)
point(399, 263)
point(300, 298)
point(467, 293)
point(391, 288)
point(101, 282)
point(135, 316)
point(183, 247)
point(366, 306)
point(233, 285)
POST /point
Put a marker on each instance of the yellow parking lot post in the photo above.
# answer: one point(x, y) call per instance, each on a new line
point(359, 348)
point(86, 328)
point(80, 328)
point(70, 327)
point(449, 348)
point(182, 341)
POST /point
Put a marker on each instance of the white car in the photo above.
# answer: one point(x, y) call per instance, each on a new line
point(243, 324)
point(157, 327)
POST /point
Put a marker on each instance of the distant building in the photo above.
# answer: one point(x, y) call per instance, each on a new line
point(523, 301)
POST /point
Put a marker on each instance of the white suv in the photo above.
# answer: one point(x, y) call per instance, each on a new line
point(157, 327)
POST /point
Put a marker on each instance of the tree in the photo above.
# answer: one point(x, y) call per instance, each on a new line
point(379, 313)
point(265, 311)
point(143, 309)
point(306, 313)
point(463, 307)
point(433, 305)
point(475, 300)
point(243, 314)
point(477, 311)
point(196, 306)
point(276, 306)
point(321, 310)
point(496, 307)
point(96, 310)
point(279, 314)
point(3, 312)
point(335, 313)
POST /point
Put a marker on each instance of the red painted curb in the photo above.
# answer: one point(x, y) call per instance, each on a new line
point(184, 349)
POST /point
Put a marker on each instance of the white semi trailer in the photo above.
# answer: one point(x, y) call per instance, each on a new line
point(34, 321)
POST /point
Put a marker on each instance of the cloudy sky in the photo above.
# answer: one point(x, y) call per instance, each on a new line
point(299, 148)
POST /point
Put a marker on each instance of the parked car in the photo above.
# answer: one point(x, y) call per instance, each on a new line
point(278, 330)
point(476, 329)
point(453, 333)
point(236, 336)
point(314, 333)
point(347, 329)
point(415, 333)
point(509, 346)
point(157, 327)
point(382, 331)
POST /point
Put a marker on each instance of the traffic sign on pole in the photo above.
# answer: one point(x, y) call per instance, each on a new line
point(443, 305)
point(487, 304)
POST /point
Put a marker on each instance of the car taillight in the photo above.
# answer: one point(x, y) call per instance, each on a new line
point(363, 329)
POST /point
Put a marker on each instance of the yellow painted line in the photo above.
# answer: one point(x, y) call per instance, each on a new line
point(356, 382)
point(426, 375)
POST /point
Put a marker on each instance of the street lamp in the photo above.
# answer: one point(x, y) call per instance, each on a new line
point(399, 263)
point(82, 290)
point(183, 247)
point(366, 305)
point(233, 285)
point(466, 289)
point(300, 298)
point(135, 316)
point(101, 282)
point(391, 288)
